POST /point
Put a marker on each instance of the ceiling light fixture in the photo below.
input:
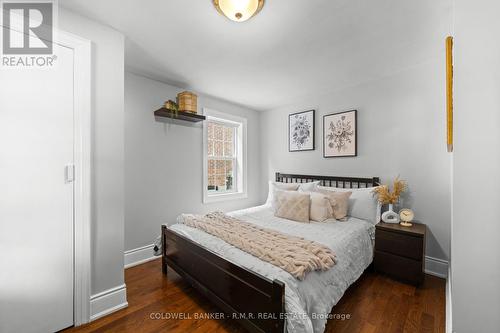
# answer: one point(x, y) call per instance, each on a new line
point(238, 10)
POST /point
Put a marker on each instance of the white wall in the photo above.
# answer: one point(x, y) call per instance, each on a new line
point(107, 147)
point(475, 268)
point(401, 131)
point(164, 161)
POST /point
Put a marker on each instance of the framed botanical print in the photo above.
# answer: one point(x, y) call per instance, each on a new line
point(301, 131)
point(340, 134)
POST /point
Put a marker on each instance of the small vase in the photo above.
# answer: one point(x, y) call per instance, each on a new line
point(390, 216)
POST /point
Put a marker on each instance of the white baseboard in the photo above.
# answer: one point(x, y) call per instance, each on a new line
point(139, 256)
point(436, 267)
point(108, 301)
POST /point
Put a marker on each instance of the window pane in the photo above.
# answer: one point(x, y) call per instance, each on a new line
point(221, 158)
point(210, 130)
point(218, 148)
point(218, 132)
point(211, 182)
point(228, 133)
point(228, 149)
point(229, 175)
point(220, 175)
point(210, 147)
point(211, 168)
point(221, 181)
point(229, 167)
point(220, 167)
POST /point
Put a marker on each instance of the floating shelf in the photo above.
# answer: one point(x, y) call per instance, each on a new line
point(181, 115)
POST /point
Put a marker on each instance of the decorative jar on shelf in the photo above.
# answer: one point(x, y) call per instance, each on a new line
point(187, 101)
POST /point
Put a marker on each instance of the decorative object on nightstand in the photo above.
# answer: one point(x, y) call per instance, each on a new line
point(400, 251)
point(390, 216)
point(406, 216)
point(386, 197)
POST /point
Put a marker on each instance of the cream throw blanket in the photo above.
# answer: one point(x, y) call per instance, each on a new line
point(295, 255)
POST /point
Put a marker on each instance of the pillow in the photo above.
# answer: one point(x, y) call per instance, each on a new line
point(274, 186)
point(362, 204)
point(292, 205)
point(308, 187)
point(304, 187)
point(320, 209)
point(339, 201)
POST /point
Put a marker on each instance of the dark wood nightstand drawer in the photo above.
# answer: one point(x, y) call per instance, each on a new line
point(399, 244)
point(405, 269)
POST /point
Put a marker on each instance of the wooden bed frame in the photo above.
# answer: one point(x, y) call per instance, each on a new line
point(250, 298)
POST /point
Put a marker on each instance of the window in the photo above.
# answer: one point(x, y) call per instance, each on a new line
point(224, 157)
point(221, 156)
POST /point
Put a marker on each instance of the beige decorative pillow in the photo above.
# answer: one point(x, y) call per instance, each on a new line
point(339, 202)
point(362, 204)
point(321, 208)
point(292, 205)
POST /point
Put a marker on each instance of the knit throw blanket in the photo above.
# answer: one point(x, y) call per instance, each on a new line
point(295, 255)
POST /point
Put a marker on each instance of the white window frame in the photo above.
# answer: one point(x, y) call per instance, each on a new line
point(241, 157)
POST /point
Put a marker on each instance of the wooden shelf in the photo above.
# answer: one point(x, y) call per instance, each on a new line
point(181, 115)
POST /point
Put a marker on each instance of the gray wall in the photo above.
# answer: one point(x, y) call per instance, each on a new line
point(164, 161)
point(401, 131)
point(475, 268)
point(107, 147)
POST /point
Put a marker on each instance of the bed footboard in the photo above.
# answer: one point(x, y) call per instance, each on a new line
point(255, 301)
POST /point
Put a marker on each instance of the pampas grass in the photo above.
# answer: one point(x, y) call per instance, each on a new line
point(384, 194)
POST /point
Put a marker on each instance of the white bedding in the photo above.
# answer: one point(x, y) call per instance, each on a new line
point(307, 302)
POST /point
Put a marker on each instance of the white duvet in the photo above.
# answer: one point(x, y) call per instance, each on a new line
point(309, 302)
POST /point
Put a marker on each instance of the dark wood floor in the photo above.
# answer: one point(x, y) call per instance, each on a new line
point(375, 303)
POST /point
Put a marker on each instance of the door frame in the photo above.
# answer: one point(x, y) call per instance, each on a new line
point(82, 184)
point(82, 101)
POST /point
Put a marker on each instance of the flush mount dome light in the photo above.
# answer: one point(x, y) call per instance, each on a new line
point(238, 10)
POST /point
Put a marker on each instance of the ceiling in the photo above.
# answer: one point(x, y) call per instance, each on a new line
point(291, 50)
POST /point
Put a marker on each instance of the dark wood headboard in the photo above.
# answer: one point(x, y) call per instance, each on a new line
point(330, 181)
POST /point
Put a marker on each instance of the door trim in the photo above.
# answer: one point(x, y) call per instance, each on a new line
point(83, 163)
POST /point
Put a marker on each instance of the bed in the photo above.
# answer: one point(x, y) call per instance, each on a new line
point(261, 296)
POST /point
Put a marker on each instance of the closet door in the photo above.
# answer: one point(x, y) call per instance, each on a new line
point(36, 197)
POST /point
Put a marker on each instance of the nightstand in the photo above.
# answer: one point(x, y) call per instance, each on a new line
point(400, 251)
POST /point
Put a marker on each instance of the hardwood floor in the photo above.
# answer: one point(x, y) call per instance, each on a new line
point(375, 304)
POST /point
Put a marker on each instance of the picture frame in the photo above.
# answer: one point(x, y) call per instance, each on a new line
point(340, 134)
point(301, 131)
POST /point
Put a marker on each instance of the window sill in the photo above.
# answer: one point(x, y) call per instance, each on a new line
point(224, 197)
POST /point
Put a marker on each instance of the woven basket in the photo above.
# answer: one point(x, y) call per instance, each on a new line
point(187, 102)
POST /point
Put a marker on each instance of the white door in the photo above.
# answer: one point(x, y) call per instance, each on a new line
point(36, 201)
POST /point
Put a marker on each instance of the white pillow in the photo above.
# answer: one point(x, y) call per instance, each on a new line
point(303, 187)
point(308, 187)
point(362, 204)
point(274, 186)
point(320, 209)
